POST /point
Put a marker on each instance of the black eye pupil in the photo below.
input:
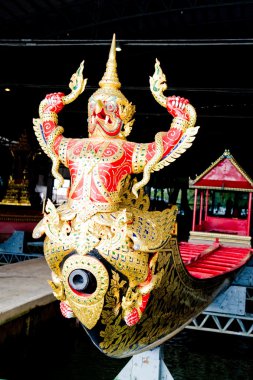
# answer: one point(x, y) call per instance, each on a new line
point(82, 281)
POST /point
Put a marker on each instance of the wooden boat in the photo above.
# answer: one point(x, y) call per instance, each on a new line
point(116, 266)
point(223, 194)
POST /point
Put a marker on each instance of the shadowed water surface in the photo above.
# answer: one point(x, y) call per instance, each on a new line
point(61, 350)
point(200, 355)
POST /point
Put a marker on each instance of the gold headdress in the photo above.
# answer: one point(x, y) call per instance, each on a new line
point(110, 78)
point(110, 85)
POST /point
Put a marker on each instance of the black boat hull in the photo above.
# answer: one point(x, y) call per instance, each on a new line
point(179, 298)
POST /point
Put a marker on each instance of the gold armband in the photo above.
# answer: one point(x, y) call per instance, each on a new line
point(139, 158)
point(180, 123)
point(50, 116)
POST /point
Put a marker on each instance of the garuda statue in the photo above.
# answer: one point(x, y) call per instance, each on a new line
point(108, 253)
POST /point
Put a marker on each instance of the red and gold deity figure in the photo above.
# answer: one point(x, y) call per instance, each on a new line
point(103, 241)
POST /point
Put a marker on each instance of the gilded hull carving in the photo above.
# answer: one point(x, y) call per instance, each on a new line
point(116, 265)
point(175, 302)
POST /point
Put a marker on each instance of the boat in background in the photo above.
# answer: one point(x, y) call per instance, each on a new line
point(221, 218)
point(223, 199)
point(117, 266)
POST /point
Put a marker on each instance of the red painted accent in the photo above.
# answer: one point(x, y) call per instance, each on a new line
point(206, 205)
point(249, 213)
point(194, 209)
point(201, 207)
point(224, 175)
point(66, 310)
point(232, 226)
point(132, 318)
point(213, 262)
point(8, 227)
point(172, 105)
point(170, 140)
point(135, 315)
point(145, 299)
point(18, 218)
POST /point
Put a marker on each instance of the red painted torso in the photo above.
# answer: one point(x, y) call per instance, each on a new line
point(97, 167)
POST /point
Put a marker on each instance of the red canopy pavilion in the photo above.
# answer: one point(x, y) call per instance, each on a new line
point(222, 203)
point(220, 238)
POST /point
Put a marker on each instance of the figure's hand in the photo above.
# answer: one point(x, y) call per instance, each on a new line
point(52, 103)
point(176, 106)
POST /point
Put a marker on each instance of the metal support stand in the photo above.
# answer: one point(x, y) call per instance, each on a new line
point(148, 365)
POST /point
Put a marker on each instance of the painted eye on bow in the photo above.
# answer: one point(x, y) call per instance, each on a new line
point(82, 281)
point(85, 280)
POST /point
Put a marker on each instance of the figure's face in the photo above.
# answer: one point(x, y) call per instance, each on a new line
point(104, 116)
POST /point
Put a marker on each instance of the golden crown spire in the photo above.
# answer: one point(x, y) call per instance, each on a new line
point(110, 78)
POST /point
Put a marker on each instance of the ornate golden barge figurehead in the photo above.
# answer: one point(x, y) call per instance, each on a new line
point(103, 243)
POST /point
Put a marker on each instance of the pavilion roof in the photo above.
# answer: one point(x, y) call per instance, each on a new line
point(224, 174)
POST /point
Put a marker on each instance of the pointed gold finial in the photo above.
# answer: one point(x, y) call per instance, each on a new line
point(110, 78)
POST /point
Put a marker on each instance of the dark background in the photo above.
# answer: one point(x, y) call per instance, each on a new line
point(205, 50)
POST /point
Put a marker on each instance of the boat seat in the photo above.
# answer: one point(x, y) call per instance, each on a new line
point(210, 260)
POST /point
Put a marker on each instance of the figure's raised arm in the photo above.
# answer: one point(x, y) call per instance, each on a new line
point(171, 144)
point(182, 111)
point(46, 127)
point(54, 102)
